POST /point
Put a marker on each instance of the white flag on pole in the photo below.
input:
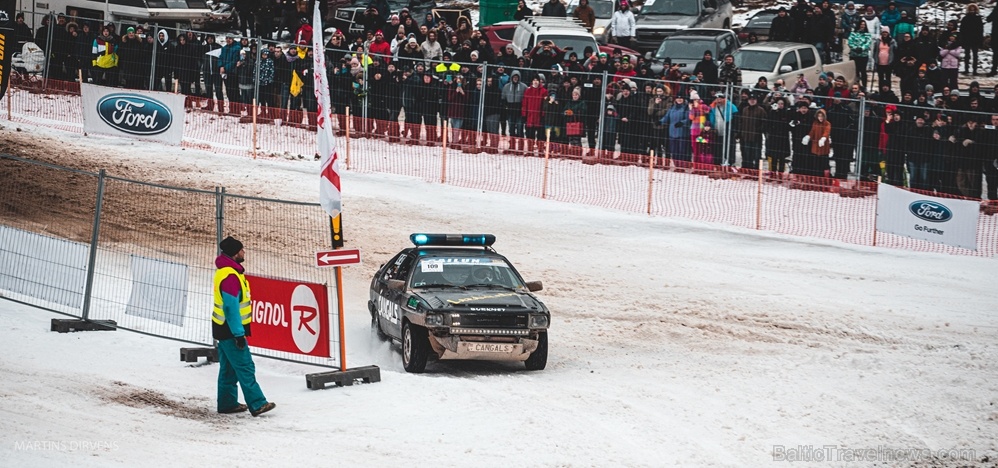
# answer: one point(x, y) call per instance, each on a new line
point(329, 169)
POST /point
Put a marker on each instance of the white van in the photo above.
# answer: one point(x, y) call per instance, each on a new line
point(567, 34)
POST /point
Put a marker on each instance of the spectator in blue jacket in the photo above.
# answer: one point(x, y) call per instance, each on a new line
point(227, 61)
point(890, 17)
point(677, 123)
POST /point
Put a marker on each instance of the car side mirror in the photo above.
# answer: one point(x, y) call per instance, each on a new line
point(396, 285)
point(534, 286)
point(786, 69)
point(708, 11)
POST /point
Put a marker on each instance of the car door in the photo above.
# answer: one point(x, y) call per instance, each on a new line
point(809, 64)
point(388, 300)
point(789, 58)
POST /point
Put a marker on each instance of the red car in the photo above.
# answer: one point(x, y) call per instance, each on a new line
point(501, 34)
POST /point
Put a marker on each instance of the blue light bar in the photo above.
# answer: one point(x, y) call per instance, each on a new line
point(452, 239)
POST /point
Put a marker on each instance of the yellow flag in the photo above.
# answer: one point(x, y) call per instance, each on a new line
point(296, 83)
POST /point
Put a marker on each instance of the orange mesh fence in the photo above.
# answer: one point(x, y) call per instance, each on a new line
point(783, 201)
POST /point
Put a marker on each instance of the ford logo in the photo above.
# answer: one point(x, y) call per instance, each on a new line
point(134, 114)
point(930, 211)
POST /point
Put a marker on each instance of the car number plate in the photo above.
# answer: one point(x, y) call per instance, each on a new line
point(505, 348)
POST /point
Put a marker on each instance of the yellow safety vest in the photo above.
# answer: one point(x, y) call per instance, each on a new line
point(245, 307)
point(443, 68)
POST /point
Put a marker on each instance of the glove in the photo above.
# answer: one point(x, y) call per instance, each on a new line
point(678, 125)
point(240, 342)
point(774, 106)
point(967, 142)
point(821, 142)
point(793, 123)
point(805, 140)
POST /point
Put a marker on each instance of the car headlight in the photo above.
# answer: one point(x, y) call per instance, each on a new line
point(538, 321)
point(599, 30)
point(434, 320)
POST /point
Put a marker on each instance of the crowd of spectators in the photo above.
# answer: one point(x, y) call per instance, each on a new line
point(917, 127)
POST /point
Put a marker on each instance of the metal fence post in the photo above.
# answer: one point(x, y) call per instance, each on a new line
point(727, 159)
point(481, 100)
point(152, 67)
point(367, 99)
point(48, 51)
point(95, 235)
point(256, 76)
point(602, 115)
point(858, 172)
point(219, 215)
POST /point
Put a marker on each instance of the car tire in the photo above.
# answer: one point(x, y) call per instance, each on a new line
point(375, 323)
point(415, 348)
point(539, 358)
point(727, 24)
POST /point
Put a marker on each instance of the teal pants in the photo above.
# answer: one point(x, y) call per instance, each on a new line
point(236, 365)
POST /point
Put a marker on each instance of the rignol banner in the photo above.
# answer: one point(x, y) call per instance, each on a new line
point(6, 42)
point(942, 220)
point(290, 316)
point(147, 115)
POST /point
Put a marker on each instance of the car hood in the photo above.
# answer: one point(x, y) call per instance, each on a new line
point(666, 21)
point(489, 300)
point(750, 78)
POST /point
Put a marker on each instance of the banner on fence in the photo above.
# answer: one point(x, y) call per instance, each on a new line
point(45, 268)
point(159, 290)
point(934, 219)
point(290, 316)
point(147, 115)
point(7, 43)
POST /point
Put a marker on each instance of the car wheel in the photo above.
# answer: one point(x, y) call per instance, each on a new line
point(375, 323)
point(415, 348)
point(727, 24)
point(539, 358)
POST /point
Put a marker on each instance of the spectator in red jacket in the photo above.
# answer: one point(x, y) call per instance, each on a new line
point(530, 108)
point(381, 47)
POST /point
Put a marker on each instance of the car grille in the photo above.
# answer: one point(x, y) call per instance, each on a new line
point(494, 320)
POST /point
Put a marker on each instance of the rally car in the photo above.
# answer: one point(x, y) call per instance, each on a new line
point(451, 296)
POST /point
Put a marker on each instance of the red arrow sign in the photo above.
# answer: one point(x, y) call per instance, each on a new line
point(337, 257)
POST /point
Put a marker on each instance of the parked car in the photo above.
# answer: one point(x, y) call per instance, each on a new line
point(686, 48)
point(499, 34)
point(603, 10)
point(658, 19)
point(758, 24)
point(787, 60)
point(563, 32)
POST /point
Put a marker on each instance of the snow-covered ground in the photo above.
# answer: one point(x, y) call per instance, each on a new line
point(673, 343)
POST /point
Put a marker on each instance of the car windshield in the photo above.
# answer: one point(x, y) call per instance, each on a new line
point(761, 21)
point(603, 10)
point(571, 44)
point(756, 60)
point(465, 273)
point(685, 49)
point(671, 7)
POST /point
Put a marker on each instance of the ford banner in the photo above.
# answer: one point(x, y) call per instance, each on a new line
point(289, 316)
point(941, 220)
point(149, 115)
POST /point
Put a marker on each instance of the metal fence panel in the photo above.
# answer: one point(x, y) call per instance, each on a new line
point(155, 260)
point(281, 238)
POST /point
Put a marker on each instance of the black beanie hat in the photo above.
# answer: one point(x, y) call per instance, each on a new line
point(230, 246)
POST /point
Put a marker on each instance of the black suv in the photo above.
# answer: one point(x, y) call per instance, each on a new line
point(686, 48)
point(451, 296)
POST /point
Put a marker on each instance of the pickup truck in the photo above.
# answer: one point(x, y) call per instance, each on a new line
point(787, 60)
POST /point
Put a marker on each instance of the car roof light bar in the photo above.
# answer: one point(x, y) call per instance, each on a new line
point(420, 239)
